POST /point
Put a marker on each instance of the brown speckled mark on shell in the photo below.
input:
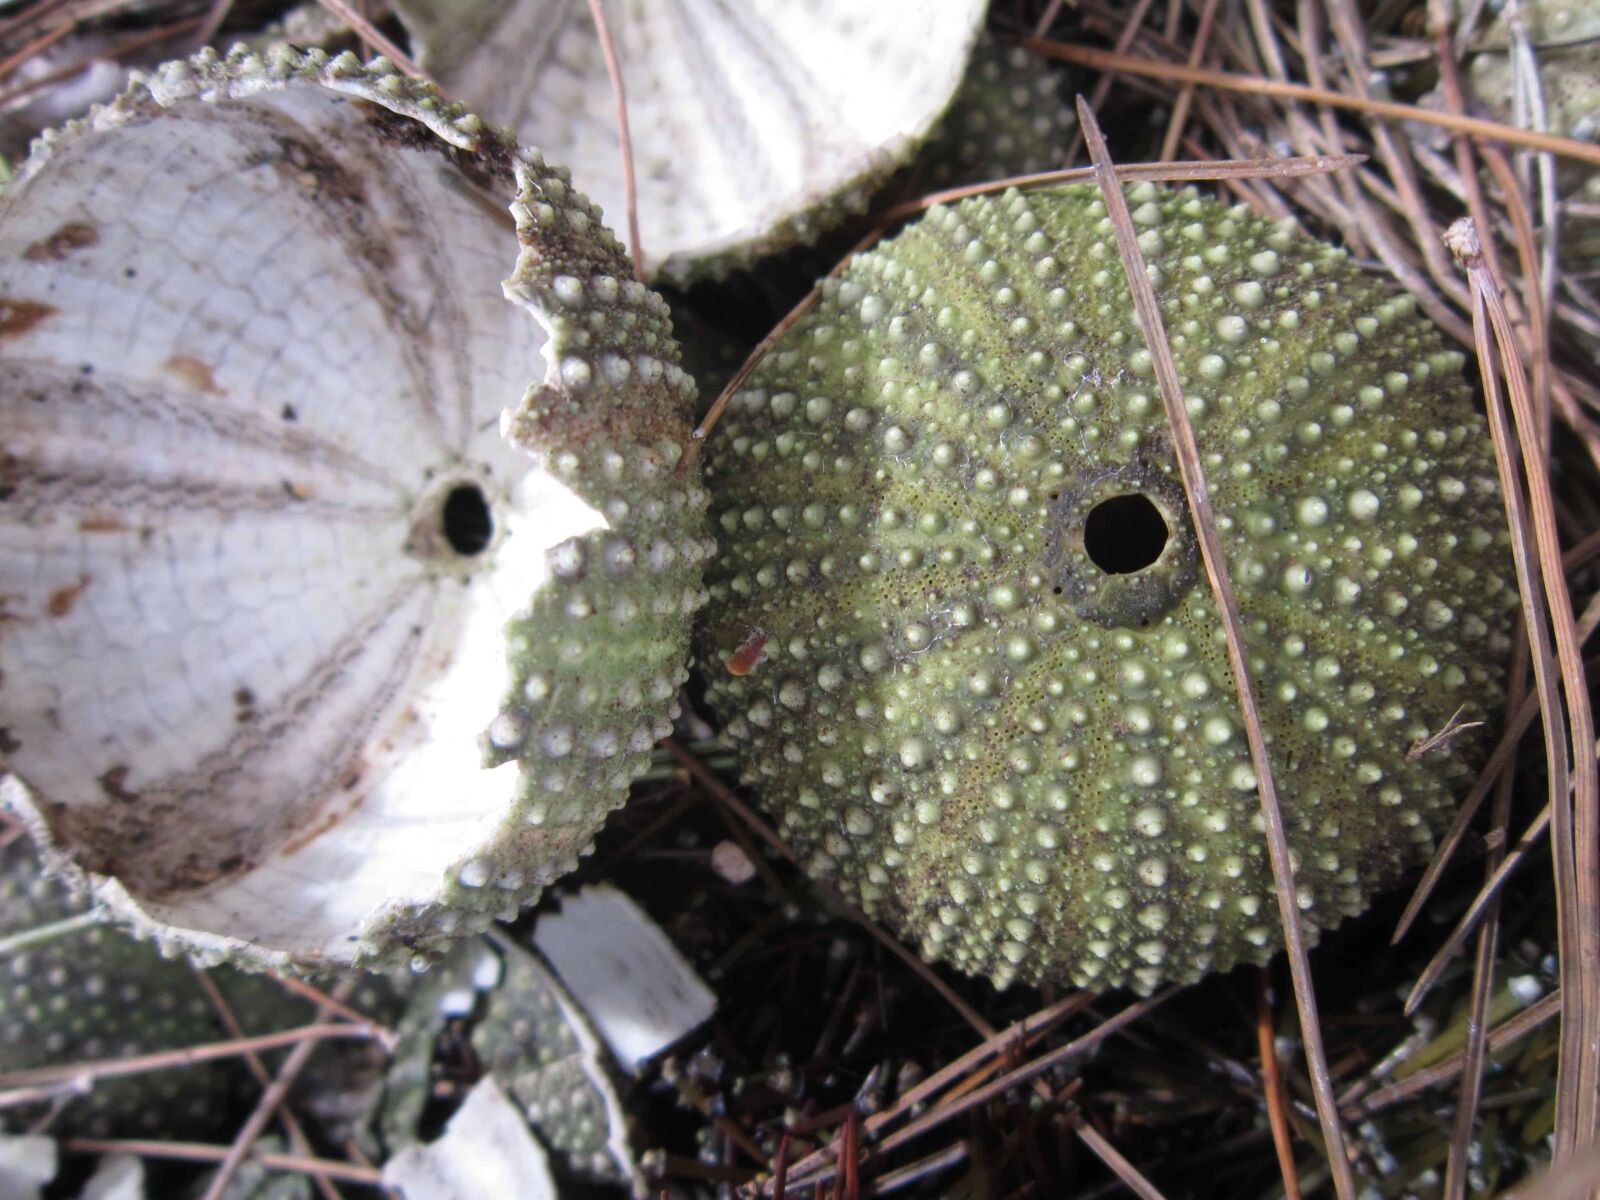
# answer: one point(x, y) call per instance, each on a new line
point(996, 706)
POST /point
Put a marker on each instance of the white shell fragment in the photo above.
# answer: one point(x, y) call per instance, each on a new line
point(27, 1163)
point(308, 653)
point(754, 125)
point(538, 1042)
point(635, 985)
point(486, 1150)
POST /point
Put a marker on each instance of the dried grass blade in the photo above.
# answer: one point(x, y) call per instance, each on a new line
point(1195, 489)
point(724, 795)
point(1106, 60)
point(298, 1142)
point(1254, 168)
point(619, 98)
point(1180, 107)
point(1124, 1170)
point(1350, 30)
point(1028, 1071)
point(970, 1069)
point(1502, 1035)
point(273, 1096)
point(373, 36)
point(1480, 904)
point(1276, 1096)
point(204, 1152)
point(106, 1068)
point(1499, 362)
point(1157, 172)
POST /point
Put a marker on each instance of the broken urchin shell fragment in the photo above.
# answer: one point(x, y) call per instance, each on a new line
point(75, 989)
point(755, 126)
point(996, 704)
point(311, 655)
point(539, 1044)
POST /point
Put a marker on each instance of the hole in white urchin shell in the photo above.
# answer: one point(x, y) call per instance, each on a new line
point(1124, 534)
point(466, 520)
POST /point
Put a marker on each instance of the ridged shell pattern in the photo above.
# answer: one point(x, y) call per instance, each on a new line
point(756, 124)
point(993, 700)
point(309, 654)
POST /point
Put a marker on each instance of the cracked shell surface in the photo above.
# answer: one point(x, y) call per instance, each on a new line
point(754, 126)
point(348, 576)
point(93, 992)
point(998, 710)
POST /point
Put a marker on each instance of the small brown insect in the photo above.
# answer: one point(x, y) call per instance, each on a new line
point(743, 660)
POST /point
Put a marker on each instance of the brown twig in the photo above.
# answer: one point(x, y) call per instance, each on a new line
point(1480, 905)
point(273, 1096)
point(1276, 1095)
point(1113, 1158)
point(215, 16)
point(202, 1152)
point(336, 1007)
point(1502, 1035)
point(725, 795)
point(1180, 106)
point(1163, 172)
point(371, 34)
point(1499, 762)
point(298, 1142)
point(1020, 1075)
point(108, 1068)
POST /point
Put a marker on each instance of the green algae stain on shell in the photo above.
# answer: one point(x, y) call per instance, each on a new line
point(995, 703)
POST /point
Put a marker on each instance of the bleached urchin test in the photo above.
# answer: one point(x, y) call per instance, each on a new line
point(994, 702)
point(348, 571)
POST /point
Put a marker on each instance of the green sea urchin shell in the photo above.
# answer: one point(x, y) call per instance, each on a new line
point(73, 993)
point(995, 703)
point(348, 571)
point(1008, 118)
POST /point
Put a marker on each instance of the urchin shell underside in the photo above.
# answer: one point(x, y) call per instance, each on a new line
point(995, 703)
point(259, 339)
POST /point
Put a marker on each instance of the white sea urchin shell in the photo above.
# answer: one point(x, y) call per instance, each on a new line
point(306, 653)
point(754, 125)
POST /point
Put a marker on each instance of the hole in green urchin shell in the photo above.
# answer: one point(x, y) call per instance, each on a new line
point(468, 527)
point(1119, 549)
point(1125, 534)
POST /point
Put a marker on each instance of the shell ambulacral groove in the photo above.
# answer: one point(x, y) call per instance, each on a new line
point(348, 569)
point(995, 704)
